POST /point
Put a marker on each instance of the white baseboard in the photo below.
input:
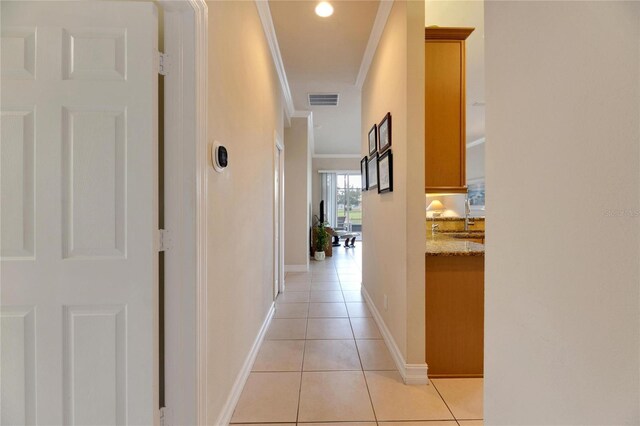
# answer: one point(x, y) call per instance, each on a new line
point(296, 268)
point(227, 410)
point(412, 374)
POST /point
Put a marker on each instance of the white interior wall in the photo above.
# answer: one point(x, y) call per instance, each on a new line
point(297, 195)
point(393, 223)
point(244, 112)
point(475, 162)
point(562, 332)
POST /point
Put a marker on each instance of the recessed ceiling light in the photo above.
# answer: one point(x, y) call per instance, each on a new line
point(324, 9)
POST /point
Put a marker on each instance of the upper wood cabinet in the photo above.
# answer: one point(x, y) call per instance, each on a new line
point(445, 109)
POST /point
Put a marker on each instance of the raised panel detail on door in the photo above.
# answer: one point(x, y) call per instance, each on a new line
point(94, 156)
point(95, 367)
point(92, 54)
point(17, 158)
point(90, 167)
point(18, 366)
point(18, 53)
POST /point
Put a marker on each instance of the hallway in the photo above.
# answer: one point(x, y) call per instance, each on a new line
point(323, 360)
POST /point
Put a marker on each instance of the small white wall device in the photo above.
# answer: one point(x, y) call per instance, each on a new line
point(219, 157)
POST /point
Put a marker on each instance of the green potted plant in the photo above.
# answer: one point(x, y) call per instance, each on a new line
point(322, 238)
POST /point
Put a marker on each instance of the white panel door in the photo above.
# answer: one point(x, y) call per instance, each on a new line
point(78, 213)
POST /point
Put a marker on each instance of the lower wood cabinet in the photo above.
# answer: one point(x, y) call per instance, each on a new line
point(455, 316)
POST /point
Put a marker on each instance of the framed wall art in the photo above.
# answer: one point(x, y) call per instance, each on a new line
point(364, 173)
point(385, 172)
point(372, 171)
point(384, 134)
point(373, 140)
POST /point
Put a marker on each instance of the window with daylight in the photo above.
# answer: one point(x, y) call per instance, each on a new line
point(342, 193)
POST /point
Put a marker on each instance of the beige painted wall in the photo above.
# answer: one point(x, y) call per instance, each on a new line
point(296, 193)
point(393, 223)
point(244, 112)
point(562, 328)
point(327, 164)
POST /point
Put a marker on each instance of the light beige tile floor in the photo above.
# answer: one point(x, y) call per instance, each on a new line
point(358, 310)
point(299, 286)
point(430, 423)
point(327, 310)
point(463, 396)
point(269, 397)
point(331, 355)
point(324, 362)
point(396, 401)
point(375, 355)
point(291, 310)
point(280, 355)
point(334, 396)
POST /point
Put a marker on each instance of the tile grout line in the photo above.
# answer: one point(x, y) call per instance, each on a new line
point(364, 376)
point(445, 402)
point(304, 353)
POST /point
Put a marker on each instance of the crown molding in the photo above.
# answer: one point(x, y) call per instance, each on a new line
point(384, 9)
point(447, 33)
point(270, 32)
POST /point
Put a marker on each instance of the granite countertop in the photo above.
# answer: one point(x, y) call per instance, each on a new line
point(452, 219)
point(446, 245)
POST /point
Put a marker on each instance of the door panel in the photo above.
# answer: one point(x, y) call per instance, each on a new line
point(94, 143)
point(18, 366)
point(17, 181)
point(79, 213)
point(95, 364)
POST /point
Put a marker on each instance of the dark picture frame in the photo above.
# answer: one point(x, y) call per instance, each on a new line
point(385, 172)
point(384, 134)
point(364, 173)
point(372, 172)
point(373, 139)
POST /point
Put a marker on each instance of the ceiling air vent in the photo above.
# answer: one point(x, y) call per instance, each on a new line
point(323, 99)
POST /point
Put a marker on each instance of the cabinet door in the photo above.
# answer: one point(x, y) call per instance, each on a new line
point(444, 116)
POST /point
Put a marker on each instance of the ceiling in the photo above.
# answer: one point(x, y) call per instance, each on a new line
point(323, 55)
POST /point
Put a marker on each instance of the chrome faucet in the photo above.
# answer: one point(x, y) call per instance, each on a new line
point(467, 212)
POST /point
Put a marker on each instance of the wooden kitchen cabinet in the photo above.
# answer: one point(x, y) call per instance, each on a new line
point(454, 316)
point(445, 109)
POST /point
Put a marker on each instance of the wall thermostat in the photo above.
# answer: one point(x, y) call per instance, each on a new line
point(219, 157)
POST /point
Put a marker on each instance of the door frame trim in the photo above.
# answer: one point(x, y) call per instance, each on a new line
point(279, 205)
point(201, 99)
point(186, 211)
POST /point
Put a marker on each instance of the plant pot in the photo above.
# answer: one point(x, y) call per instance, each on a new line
point(319, 255)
